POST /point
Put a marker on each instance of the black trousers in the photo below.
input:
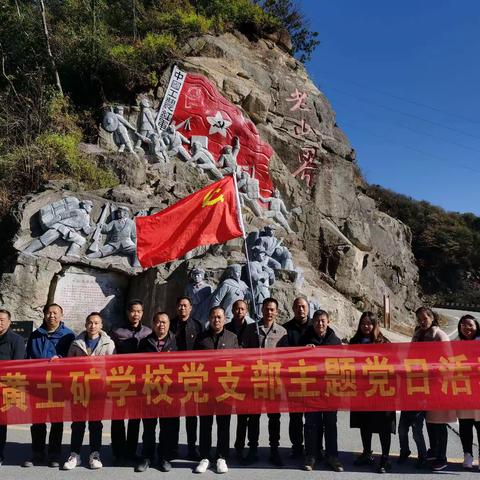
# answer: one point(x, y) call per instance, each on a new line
point(438, 436)
point(3, 439)
point(316, 424)
point(245, 423)
point(295, 431)
point(39, 437)
point(95, 434)
point(191, 424)
point(273, 429)
point(165, 447)
point(466, 433)
point(385, 440)
point(223, 435)
point(124, 444)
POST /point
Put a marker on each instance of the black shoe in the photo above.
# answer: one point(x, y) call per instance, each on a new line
point(251, 457)
point(240, 455)
point(143, 465)
point(54, 462)
point(431, 455)
point(275, 458)
point(384, 465)
point(334, 463)
point(296, 452)
point(422, 463)
point(164, 466)
point(37, 459)
point(194, 454)
point(118, 462)
point(402, 458)
point(308, 464)
point(438, 465)
point(365, 458)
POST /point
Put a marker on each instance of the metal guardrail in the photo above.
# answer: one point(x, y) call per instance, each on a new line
point(474, 307)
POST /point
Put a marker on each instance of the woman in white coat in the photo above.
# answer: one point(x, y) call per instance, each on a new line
point(437, 420)
point(468, 329)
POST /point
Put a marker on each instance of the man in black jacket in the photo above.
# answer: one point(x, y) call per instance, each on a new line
point(216, 337)
point(239, 323)
point(317, 335)
point(296, 327)
point(159, 341)
point(127, 338)
point(186, 329)
point(12, 347)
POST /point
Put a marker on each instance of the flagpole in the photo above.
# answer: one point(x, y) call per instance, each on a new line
point(247, 256)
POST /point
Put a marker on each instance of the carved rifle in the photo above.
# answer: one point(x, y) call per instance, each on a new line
point(94, 246)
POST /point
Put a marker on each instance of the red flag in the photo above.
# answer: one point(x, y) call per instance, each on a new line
point(206, 217)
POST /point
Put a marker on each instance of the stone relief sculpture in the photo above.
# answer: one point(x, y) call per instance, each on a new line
point(115, 123)
point(204, 160)
point(146, 123)
point(68, 219)
point(121, 237)
point(249, 192)
point(276, 255)
point(313, 306)
point(199, 292)
point(263, 277)
point(227, 161)
point(277, 210)
point(174, 141)
point(230, 289)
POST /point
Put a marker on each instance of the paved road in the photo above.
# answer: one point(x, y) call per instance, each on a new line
point(349, 443)
point(453, 316)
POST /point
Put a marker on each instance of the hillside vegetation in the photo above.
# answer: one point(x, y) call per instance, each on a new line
point(63, 60)
point(446, 245)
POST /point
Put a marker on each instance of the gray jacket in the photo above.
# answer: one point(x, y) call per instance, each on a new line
point(78, 348)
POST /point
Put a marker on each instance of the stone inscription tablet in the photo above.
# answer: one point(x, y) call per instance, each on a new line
point(82, 291)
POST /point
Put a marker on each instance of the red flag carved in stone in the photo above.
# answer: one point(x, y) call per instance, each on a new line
point(206, 217)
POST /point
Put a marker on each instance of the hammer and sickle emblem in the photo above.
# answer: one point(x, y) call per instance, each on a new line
point(208, 201)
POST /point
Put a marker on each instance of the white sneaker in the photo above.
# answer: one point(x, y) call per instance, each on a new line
point(72, 462)
point(222, 466)
point(467, 461)
point(202, 466)
point(94, 461)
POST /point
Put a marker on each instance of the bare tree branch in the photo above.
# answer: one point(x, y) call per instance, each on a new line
point(49, 50)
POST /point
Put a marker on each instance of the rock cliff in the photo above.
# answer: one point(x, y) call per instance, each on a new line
point(350, 253)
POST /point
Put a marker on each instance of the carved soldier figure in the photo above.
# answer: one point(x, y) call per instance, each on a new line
point(120, 135)
point(146, 122)
point(249, 190)
point(174, 141)
point(228, 159)
point(199, 291)
point(231, 289)
point(65, 219)
point(283, 256)
point(121, 237)
point(263, 277)
point(204, 160)
point(277, 210)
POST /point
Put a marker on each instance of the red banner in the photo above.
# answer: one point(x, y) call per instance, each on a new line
point(403, 376)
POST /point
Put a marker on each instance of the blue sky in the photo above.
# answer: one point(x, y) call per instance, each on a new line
point(403, 78)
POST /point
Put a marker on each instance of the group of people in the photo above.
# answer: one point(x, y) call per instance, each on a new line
point(313, 435)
